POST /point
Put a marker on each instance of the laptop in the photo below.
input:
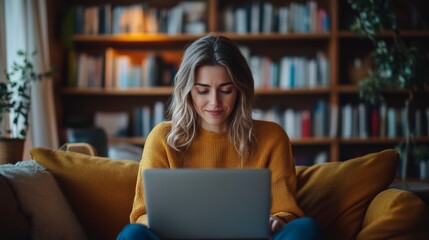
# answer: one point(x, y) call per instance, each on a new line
point(208, 203)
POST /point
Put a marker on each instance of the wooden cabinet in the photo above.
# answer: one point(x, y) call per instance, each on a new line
point(345, 58)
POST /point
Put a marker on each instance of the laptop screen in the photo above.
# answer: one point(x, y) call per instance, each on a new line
point(208, 203)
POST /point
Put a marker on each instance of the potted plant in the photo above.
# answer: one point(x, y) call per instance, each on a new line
point(15, 101)
point(397, 64)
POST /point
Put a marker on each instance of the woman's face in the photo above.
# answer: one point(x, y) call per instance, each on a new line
point(213, 96)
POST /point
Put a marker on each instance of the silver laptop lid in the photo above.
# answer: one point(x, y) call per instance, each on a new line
point(208, 203)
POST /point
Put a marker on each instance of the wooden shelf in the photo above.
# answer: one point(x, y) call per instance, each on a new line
point(130, 140)
point(404, 33)
point(135, 41)
point(378, 141)
point(149, 91)
point(294, 91)
point(312, 141)
point(165, 38)
point(354, 89)
point(160, 91)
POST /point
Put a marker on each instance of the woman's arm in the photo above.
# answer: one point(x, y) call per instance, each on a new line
point(281, 164)
point(154, 156)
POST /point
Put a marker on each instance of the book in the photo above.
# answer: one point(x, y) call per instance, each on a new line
point(267, 21)
point(286, 72)
point(256, 14)
point(347, 118)
point(323, 69)
point(306, 124)
point(158, 112)
point(283, 24)
point(427, 121)
point(363, 129)
point(391, 122)
point(418, 127)
point(147, 120)
point(312, 15)
point(382, 120)
point(320, 119)
point(333, 119)
point(289, 122)
point(375, 123)
point(82, 69)
point(240, 21)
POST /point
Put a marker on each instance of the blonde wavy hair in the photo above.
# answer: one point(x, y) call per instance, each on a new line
point(212, 51)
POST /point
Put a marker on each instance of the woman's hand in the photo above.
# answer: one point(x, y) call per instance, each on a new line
point(276, 223)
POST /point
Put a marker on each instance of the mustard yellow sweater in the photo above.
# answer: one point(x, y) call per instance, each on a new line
point(214, 150)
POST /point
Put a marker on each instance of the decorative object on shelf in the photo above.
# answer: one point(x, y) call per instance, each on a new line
point(397, 64)
point(15, 101)
point(421, 157)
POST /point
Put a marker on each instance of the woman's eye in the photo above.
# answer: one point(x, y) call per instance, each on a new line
point(225, 91)
point(203, 92)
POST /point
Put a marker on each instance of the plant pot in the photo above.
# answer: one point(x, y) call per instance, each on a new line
point(11, 150)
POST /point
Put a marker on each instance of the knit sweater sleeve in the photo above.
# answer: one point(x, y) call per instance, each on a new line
point(154, 156)
point(283, 173)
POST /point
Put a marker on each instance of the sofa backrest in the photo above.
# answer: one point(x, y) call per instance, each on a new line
point(337, 194)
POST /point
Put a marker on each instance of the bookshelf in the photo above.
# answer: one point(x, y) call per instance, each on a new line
point(337, 47)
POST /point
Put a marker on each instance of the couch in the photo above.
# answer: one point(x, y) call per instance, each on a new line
point(89, 197)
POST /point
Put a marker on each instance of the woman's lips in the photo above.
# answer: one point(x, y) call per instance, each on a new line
point(214, 113)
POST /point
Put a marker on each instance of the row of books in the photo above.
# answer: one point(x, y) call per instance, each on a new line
point(149, 69)
point(147, 117)
point(185, 17)
point(362, 121)
point(114, 70)
point(190, 17)
point(299, 123)
point(356, 121)
point(350, 121)
point(264, 17)
point(290, 71)
point(90, 71)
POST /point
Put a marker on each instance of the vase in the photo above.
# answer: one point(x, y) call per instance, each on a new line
point(11, 150)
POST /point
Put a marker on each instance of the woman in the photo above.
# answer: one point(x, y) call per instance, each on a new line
point(211, 120)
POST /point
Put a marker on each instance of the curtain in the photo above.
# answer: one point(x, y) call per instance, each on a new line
point(2, 41)
point(5, 123)
point(43, 120)
point(31, 15)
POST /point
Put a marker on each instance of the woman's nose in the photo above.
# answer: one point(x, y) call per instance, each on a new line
point(214, 99)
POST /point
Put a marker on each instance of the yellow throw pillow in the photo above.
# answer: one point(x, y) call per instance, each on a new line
point(395, 214)
point(100, 190)
point(337, 194)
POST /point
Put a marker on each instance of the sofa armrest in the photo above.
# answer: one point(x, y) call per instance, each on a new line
point(395, 214)
point(14, 224)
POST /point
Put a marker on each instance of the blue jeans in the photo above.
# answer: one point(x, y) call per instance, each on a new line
point(299, 229)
